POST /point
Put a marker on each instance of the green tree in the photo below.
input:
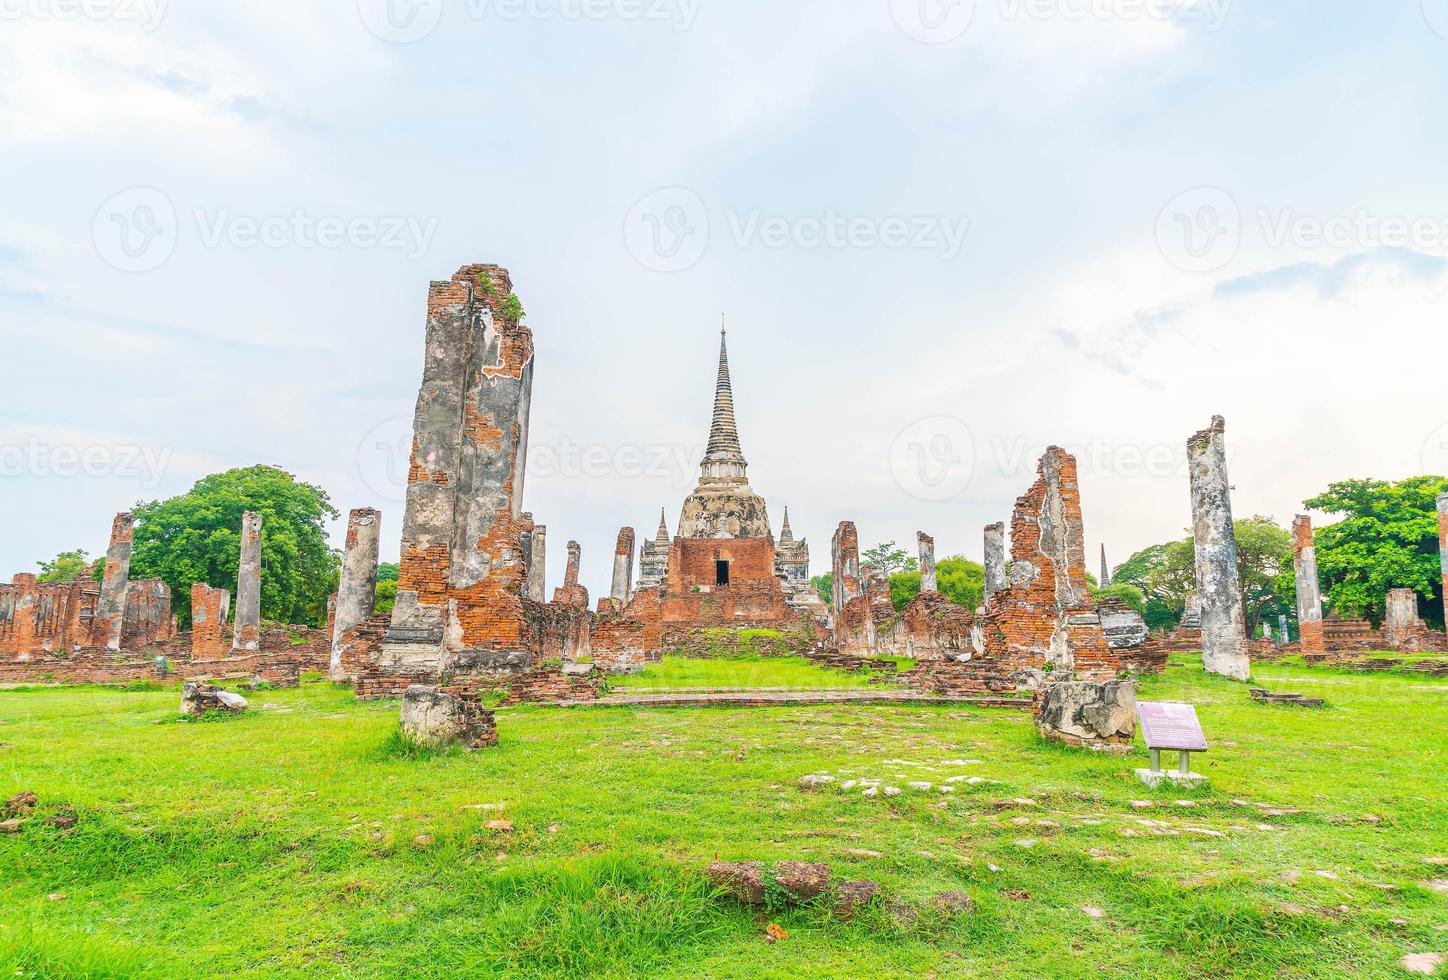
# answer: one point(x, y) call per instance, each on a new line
point(64, 567)
point(960, 580)
point(386, 596)
point(825, 586)
point(1121, 592)
point(196, 537)
point(888, 559)
point(388, 571)
point(1166, 574)
point(1387, 539)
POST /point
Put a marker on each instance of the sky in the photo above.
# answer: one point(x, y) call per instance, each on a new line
point(944, 235)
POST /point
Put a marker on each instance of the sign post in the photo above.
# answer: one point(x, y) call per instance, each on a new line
point(1175, 728)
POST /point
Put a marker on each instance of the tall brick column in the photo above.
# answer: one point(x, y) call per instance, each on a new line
point(1309, 593)
point(995, 560)
point(854, 624)
point(1224, 631)
point(927, 562)
point(111, 607)
point(462, 570)
point(1443, 547)
point(246, 633)
point(537, 558)
point(623, 559)
point(357, 591)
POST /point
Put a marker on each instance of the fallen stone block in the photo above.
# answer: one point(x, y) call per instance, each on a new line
point(435, 718)
point(197, 699)
point(1260, 695)
point(20, 804)
point(1098, 714)
point(851, 896)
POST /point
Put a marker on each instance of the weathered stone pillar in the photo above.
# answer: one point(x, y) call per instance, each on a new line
point(246, 634)
point(927, 562)
point(537, 572)
point(357, 591)
point(1400, 622)
point(462, 569)
point(1309, 595)
point(995, 560)
point(1224, 633)
point(1443, 547)
point(1282, 633)
point(111, 607)
point(623, 558)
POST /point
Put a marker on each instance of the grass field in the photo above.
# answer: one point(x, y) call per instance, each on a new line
point(295, 840)
point(745, 672)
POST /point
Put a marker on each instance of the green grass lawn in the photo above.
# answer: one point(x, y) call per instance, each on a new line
point(286, 841)
point(752, 672)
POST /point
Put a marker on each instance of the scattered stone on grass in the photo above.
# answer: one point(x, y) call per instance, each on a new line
point(814, 781)
point(1100, 715)
point(55, 897)
point(11, 826)
point(1016, 894)
point(422, 840)
point(1422, 964)
point(953, 903)
point(502, 825)
point(774, 932)
point(851, 896)
point(892, 790)
point(1092, 911)
point(20, 804)
point(804, 881)
point(62, 821)
point(197, 699)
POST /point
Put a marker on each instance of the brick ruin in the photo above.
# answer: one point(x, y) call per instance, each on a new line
point(55, 632)
point(1443, 549)
point(1041, 619)
point(470, 603)
point(1404, 630)
point(723, 568)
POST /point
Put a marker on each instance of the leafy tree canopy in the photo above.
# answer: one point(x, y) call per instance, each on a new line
point(961, 581)
point(65, 567)
point(1166, 573)
point(1121, 592)
point(196, 537)
point(386, 596)
point(825, 586)
point(388, 571)
point(1387, 539)
point(888, 558)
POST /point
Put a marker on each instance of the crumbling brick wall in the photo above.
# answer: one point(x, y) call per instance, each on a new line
point(1045, 616)
point(210, 639)
point(148, 614)
point(931, 628)
point(618, 644)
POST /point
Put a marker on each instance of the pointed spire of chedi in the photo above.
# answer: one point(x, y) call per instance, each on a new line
point(723, 460)
point(661, 537)
point(786, 536)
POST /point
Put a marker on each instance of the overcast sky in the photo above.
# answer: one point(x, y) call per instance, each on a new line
point(944, 237)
